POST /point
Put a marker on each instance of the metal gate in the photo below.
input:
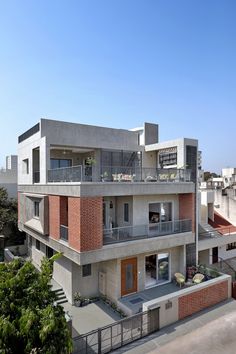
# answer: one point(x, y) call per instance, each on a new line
point(108, 338)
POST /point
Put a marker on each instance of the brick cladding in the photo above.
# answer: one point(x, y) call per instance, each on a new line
point(199, 300)
point(85, 223)
point(187, 208)
point(64, 211)
point(54, 216)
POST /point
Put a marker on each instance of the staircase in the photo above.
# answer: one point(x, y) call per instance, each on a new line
point(61, 296)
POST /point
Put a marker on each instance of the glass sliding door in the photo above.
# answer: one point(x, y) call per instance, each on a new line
point(157, 269)
point(163, 267)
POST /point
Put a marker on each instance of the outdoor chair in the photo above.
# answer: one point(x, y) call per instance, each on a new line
point(180, 279)
point(198, 278)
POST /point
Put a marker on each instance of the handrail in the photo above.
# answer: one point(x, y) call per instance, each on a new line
point(224, 261)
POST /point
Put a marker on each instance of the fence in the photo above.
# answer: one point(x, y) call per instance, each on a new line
point(108, 338)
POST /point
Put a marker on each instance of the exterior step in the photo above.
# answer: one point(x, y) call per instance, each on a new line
point(61, 296)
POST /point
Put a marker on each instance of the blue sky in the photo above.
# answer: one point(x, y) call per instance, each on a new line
point(119, 63)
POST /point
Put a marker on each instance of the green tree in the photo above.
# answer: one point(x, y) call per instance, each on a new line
point(8, 219)
point(30, 320)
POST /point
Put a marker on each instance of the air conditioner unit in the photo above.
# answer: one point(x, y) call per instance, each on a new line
point(102, 283)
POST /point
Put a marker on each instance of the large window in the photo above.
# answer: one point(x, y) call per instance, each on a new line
point(160, 212)
point(59, 163)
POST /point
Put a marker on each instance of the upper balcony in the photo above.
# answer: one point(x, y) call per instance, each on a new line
point(119, 174)
point(131, 233)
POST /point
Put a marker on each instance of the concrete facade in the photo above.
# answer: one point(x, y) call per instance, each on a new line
point(96, 223)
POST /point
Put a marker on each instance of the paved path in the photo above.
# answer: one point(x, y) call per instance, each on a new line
point(186, 336)
point(90, 317)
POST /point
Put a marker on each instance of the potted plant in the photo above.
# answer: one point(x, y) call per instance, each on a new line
point(104, 176)
point(79, 300)
point(90, 161)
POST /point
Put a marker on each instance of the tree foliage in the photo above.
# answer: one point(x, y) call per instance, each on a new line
point(8, 219)
point(30, 320)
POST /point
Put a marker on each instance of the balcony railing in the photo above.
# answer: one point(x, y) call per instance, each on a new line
point(118, 174)
point(129, 233)
point(64, 233)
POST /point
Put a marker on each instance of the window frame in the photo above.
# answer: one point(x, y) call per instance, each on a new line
point(126, 212)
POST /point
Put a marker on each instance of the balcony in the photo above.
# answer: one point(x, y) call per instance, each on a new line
point(131, 233)
point(64, 233)
point(117, 174)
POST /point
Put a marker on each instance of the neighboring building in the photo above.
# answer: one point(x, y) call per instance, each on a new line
point(119, 204)
point(229, 176)
point(8, 176)
point(217, 213)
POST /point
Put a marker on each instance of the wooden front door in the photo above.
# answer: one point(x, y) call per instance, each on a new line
point(128, 276)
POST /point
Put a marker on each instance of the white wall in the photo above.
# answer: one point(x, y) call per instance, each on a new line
point(25, 152)
point(87, 286)
point(62, 273)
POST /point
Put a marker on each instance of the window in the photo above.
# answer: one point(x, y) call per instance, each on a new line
point(86, 270)
point(25, 167)
point(49, 252)
point(167, 159)
point(231, 246)
point(59, 163)
point(36, 209)
point(38, 245)
point(126, 212)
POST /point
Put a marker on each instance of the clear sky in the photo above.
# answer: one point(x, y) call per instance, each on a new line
point(119, 63)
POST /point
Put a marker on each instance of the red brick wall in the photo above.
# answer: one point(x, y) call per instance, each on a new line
point(64, 211)
point(199, 300)
point(54, 216)
point(74, 222)
point(85, 223)
point(187, 207)
point(91, 223)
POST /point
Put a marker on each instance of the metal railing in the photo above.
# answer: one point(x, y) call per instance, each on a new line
point(129, 233)
point(64, 233)
point(218, 232)
point(65, 174)
point(138, 174)
point(117, 334)
point(118, 174)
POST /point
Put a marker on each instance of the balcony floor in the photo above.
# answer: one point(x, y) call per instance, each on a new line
point(135, 301)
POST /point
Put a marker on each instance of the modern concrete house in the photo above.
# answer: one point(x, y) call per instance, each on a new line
point(8, 176)
point(119, 204)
